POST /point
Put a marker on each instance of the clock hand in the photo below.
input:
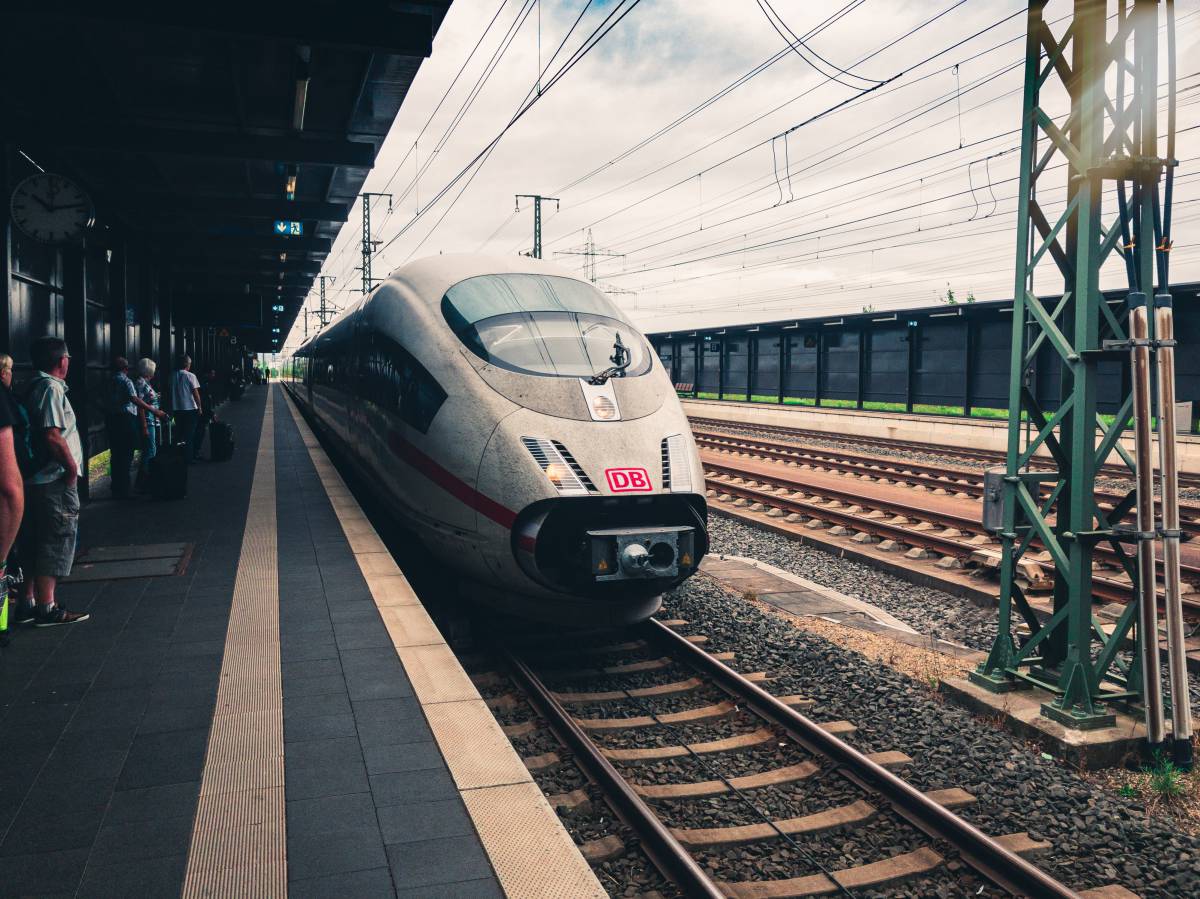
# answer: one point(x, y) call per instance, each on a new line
point(43, 203)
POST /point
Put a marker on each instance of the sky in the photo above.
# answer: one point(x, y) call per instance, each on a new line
point(873, 171)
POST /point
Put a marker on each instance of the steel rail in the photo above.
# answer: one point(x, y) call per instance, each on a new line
point(1104, 588)
point(925, 474)
point(992, 457)
point(664, 850)
point(946, 519)
point(988, 857)
point(842, 460)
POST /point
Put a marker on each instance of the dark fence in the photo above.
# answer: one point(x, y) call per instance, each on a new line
point(945, 360)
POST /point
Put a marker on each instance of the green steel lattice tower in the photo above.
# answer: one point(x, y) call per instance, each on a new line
point(1107, 66)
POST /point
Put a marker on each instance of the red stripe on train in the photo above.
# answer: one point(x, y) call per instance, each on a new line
point(459, 489)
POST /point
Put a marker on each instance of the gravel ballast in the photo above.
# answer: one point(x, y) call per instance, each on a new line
point(1096, 838)
point(930, 612)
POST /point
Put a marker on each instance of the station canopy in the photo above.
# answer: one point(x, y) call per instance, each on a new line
point(234, 137)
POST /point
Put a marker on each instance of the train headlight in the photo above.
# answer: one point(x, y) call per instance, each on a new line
point(603, 409)
point(559, 474)
point(558, 466)
point(601, 400)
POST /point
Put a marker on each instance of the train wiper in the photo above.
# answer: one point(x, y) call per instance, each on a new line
point(620, 360)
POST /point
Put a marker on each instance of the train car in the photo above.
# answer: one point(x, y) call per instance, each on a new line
point(522, 428)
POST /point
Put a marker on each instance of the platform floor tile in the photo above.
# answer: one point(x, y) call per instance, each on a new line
point(364, 777)
point(103, 725)
point(425, 789)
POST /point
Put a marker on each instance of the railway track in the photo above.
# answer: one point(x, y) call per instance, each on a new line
point(861, 511)
point(961, 481)
point(865, 793)
point(1187, 480)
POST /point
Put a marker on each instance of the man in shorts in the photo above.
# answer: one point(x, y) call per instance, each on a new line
point(54, 487)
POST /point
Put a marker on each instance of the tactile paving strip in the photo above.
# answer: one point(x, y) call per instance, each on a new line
point(532, 854)
point(239, 837)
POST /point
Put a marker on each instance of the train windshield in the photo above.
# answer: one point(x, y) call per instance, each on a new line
point(543, 325)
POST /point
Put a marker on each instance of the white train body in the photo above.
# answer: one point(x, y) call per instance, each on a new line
point(466, 388)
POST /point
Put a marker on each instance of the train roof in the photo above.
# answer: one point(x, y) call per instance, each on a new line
point(431, 277)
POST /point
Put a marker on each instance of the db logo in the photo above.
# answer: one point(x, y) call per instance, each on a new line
point(628, 480)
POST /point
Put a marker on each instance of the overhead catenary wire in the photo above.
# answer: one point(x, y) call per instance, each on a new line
point(614, 18)
point(713, 99)
point(874, 97)
point(836, 107)
point(796, 43)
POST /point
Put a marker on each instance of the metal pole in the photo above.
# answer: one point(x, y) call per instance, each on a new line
point(537, 219)
point(368, 245)
point(1181, 710)
point(366, 251)
point(1147, 581)
point(537, 228)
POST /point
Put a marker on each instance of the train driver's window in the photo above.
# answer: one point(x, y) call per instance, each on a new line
point(543, 325)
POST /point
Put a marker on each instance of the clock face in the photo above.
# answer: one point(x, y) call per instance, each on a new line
point(51, 208)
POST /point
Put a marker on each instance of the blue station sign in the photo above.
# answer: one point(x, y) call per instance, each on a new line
point(289, 229)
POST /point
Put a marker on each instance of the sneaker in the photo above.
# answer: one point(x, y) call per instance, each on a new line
point(58, 615)
point(23, 613)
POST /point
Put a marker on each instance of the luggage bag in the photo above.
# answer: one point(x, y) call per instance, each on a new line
point(220, 435)
point(169, 469)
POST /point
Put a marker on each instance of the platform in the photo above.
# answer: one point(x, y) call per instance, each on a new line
point(265, 710)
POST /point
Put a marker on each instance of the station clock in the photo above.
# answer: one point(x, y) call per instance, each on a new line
point(51, 208)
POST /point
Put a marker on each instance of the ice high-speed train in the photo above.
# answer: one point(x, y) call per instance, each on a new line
point(522, 428)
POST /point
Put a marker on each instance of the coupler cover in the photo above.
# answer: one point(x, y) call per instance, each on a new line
point(620, 554)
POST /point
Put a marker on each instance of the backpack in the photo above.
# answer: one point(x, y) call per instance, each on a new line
point(22, 436)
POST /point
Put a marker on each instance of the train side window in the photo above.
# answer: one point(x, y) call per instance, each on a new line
point(396, 381)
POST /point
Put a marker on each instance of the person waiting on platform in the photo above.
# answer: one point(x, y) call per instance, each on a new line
point(149, 423)
point(20, 556)
point(54, 490)
point(125, 409)
point(185, 403)
point(12, 492)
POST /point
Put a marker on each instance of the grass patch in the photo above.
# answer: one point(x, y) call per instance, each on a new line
point(1166, 780)
point(735, 397)
point(764, 398)
point(1160, 790)
point(838, 404)
point(98, 464)
point(705, 395)
point(928, 409)
point(884, 407)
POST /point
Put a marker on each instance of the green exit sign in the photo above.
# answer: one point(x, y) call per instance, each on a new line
point(288, 228)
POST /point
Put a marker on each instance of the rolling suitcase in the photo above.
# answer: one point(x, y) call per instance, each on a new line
point(221, 440)
point(169, 469)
